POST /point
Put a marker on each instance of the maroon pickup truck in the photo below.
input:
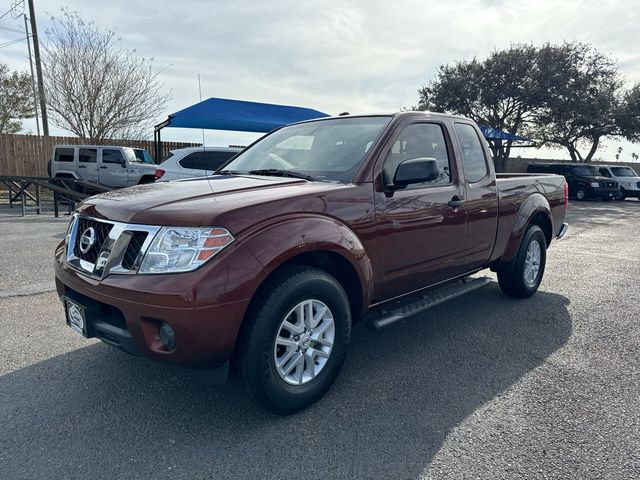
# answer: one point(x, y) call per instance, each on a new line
point(266, 265)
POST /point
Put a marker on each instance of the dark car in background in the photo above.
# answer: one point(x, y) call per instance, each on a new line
point(584, 180)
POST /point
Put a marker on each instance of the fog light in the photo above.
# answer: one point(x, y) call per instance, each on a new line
point(167, 336)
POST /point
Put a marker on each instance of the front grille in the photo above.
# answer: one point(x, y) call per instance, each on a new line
point(101, 233)
point(133, 249)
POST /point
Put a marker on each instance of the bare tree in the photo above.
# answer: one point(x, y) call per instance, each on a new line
point(94, 87)
point(16, 101)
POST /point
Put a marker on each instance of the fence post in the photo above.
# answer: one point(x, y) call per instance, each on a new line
point(55, 204)
point(38, 199)
point(23, 197)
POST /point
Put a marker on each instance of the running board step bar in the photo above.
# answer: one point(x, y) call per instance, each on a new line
point(388, 315)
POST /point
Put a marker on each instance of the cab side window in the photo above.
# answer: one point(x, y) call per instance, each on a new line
point(112, 156)
point(63, 155)
point(419, 140)
point(474, 162)
point(88, 155)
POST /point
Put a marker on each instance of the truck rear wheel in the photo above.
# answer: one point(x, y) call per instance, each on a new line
point(581, 194)
point(522, 277)
point(295, 342)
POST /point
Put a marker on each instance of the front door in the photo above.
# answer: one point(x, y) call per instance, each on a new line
point(113, 168)
point(420, 238)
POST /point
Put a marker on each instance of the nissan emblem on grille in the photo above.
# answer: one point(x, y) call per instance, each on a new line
point(87, 239)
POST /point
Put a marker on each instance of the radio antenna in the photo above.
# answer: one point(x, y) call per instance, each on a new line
point(201, 109)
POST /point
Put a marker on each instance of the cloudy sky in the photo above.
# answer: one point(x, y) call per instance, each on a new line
point(358, 56)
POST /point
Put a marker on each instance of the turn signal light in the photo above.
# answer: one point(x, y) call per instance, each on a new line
point(566, 195)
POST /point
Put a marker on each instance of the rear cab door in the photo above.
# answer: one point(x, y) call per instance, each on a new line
point(112, 167)
point(88, 164)
point(481, 194)
point(420, 238)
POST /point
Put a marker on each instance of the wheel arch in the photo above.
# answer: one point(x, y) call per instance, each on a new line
point(534, 211)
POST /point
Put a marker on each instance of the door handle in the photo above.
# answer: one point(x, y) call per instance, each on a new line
point(82, 166)
point(104, 166)
point(456, 202)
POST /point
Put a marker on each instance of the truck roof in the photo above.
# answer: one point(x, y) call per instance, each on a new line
point(95, 146)
point(425, 113)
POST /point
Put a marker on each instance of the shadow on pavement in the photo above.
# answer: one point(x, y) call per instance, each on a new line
point(96, 412)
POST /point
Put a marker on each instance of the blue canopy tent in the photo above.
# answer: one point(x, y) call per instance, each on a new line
point(495, 134)
point(235, 115)
point(242, 116)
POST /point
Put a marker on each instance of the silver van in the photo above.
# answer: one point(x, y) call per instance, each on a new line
point(107, 165)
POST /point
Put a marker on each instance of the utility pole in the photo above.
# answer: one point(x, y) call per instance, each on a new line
point(33, 80)
point(36, 54)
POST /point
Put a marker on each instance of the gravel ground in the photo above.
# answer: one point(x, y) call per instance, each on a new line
point(484, 387)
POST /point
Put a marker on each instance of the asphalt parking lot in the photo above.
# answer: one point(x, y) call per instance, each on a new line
point(484, 387)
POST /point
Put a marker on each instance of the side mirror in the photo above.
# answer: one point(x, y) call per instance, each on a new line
point(416, 170)
point(123, 163)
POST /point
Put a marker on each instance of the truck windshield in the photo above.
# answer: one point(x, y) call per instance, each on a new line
point(330, 149)
point(624, 172)
point(584, 171)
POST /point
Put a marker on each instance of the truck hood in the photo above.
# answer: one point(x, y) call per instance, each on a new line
point(197, 201)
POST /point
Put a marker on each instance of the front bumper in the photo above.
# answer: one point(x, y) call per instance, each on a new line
point(562, 231)
point(128, 316)
point(604, 192)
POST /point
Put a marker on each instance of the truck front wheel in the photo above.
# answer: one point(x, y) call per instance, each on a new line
point(295, 340)
point(522, 277)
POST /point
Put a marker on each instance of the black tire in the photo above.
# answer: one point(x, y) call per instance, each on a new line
point(146, 180)
point(256, 362)
point(512, 278)
point(621, 196)
point(582, 194)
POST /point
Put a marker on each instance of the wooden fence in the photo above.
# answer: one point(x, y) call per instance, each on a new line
point(28, 154)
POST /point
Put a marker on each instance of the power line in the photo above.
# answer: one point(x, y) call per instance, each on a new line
point(2, 45)
point(10, 29)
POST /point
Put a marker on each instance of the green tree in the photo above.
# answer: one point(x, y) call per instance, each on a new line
point(16, 100)
point(581, 93)
point(497, 92)
point(629, 118)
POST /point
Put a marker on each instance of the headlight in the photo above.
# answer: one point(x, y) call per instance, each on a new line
point(177, 249)
point(595, 184)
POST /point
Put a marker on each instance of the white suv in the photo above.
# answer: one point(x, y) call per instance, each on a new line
point(110, 166)
point(194, 162)
point(627, 179)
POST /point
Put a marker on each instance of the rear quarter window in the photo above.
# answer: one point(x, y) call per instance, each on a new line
point(63, 155)
point(205, 160)
point(474, 162)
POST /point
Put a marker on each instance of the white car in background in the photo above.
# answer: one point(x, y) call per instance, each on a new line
point(194, 162)
point(627, 179)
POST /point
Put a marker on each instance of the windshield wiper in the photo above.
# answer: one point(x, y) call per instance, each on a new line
point(228, 172)
point(274, 172)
